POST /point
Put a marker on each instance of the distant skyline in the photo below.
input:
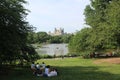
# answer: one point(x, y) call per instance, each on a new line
point(46, 15)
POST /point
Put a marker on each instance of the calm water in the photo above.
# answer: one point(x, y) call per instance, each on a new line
point(53, 49)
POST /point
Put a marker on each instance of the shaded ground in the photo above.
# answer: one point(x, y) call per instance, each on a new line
point(108, 60)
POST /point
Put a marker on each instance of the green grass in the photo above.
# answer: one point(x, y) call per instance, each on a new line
point(70, 69)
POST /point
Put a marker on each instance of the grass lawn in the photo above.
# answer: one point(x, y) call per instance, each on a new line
point(70, 69)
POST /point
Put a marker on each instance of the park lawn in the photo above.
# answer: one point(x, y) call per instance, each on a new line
point(70, 69)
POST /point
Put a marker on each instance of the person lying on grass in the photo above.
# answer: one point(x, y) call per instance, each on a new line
point(53, 72)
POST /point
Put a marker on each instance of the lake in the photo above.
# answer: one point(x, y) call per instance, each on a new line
point(53, 49)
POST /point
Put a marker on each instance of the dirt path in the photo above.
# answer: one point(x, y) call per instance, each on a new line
point(108, 60)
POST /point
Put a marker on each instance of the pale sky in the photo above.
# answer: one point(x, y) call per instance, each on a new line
point(45, 15)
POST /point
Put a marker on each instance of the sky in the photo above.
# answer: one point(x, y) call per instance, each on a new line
point(46, 15)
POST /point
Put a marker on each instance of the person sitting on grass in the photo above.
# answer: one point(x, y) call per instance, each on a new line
point(37, 66)
point(33, 67)
point(43, 65)
point(38, 70)
point(47, 71)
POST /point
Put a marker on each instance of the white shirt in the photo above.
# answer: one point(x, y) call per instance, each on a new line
point(43, 65)
point(52, 73)
point(38, 66)
point(47, 71)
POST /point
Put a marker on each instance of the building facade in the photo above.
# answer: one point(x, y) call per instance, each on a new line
point(57, 32)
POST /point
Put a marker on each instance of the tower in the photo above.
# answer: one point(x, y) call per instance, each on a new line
point(59, 31)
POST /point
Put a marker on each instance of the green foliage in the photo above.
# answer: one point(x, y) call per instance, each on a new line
point(66, 38)
point(13, 29)
point(29, 54)
point(43, 37)
point(103, 33)
point(79, 42)
point(32, 37)
point(56, 39)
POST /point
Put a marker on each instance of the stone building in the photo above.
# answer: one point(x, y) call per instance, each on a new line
point(57, 32)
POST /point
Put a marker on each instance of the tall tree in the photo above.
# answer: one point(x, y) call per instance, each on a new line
point(79, 42)
point(103, 18)
point(42, 37)
point(96, 18)
point(13, 29)
point(113, 18)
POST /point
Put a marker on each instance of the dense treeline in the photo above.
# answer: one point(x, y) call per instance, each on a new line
point(43, 37)
point(13, 33)
point(103, 33)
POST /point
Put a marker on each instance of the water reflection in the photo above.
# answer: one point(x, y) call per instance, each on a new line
point(53, 49)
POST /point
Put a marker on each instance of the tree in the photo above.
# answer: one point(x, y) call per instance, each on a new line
point(66, 38)
point(113, 18)
point(13, 29)
point(42, 37)
point(32, 37)
point(103, 33)
point(56, 39)
point(79, 42)
point(96, 18)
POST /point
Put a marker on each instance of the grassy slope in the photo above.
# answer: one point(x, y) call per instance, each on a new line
point(70, 69)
